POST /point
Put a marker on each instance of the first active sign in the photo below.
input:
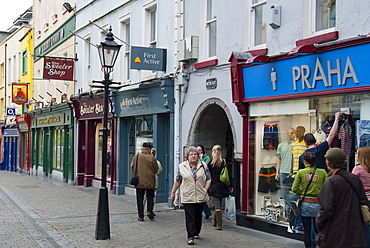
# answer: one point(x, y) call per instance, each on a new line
point(146, 58)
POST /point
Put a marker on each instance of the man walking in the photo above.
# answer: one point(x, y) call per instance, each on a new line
point(145, 167)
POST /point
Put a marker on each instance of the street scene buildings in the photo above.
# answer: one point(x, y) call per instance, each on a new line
point(188, 73)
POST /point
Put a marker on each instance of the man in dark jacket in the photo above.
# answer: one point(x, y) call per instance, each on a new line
point(339, 221)
point(145, 167)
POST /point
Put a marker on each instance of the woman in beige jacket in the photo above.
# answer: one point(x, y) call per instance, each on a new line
point(195, 179)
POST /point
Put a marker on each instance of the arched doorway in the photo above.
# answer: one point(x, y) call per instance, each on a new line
point(212, 124)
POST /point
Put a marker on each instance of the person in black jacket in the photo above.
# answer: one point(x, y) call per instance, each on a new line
point(218, 189)
point(339, 221)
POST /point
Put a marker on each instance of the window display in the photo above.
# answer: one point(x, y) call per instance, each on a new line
point(281, 129)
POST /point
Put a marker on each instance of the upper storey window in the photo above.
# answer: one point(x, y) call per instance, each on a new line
point(258, 7)
point(325, 14)
point(212, 28)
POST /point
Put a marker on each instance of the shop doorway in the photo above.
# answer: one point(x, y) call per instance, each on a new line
point(211, 126)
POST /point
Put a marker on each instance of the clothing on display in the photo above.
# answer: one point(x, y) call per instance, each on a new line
point(267, 180)
point(345, 135)
point(298, 148)
point(270, 136)
point(363, 133)
point(320, 136)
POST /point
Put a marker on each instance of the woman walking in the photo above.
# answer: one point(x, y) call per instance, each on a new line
point(218, 189)
point(194, 178)
point(362, 170)
point(309, 182)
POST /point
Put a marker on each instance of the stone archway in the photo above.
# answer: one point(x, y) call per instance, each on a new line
point(213, 124)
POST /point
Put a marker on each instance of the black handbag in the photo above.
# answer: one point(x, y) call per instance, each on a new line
point(135, 180)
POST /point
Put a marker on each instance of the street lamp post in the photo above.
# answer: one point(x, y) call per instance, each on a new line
point(108, 53)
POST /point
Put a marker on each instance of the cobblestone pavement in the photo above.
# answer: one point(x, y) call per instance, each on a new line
point(40, 212)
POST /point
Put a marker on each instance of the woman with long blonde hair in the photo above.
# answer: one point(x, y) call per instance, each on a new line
point(218, 189)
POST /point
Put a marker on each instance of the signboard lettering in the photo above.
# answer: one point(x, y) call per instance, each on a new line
point(146, 58)
point(58, 69)
point(332, 70)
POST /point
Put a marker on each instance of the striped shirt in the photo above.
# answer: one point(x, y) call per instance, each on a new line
point(297, 149)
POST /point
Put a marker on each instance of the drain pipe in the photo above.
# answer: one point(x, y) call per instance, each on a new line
point(178, 110)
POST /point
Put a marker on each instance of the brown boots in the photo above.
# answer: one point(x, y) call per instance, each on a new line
point(217, 220)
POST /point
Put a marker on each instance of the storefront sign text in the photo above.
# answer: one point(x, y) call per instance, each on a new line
point(91, 109)
point(331, 70)
point(49, 120)
point(271, 214)
point(58, 69)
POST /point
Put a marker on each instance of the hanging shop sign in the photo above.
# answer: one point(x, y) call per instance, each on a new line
point(58, 69)
point(340, 70)
point(19, 93)
point(146, 58)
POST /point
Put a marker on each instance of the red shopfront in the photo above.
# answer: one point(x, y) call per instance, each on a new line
point(303, 88)
point(89, 116)
point(24, 124)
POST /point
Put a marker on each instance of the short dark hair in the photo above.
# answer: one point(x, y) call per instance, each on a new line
point(309, 139)
point(310, 157)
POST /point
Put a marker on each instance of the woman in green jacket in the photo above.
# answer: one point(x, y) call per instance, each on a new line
point(310, 205)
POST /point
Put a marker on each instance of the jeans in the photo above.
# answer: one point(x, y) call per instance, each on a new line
point(140, 198)
point(206, 210)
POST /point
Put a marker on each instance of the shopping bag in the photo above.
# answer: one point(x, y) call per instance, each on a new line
point(230, 209)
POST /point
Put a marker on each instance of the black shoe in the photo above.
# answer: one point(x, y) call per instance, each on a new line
point(140, 219)
point(151, 215)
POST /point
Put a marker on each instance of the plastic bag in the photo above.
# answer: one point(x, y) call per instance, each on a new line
point(230, 209)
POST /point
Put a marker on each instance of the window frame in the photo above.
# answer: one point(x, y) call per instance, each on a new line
point(254, 6)
point(211, 29)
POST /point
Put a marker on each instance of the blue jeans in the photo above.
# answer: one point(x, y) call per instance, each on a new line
point(367, 231)
point(206, 210)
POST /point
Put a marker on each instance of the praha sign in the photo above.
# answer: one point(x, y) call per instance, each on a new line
point(333, 70)
point(58, 69)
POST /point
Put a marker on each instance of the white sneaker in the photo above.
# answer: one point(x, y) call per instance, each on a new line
point(276, 204)
point(282, 201)
point(268, 202)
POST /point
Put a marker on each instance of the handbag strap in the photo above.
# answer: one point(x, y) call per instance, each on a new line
point(309, 183)
point(350, 184)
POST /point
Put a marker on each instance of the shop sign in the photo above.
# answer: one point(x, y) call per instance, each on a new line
point(56, 38)
point(271, 214)
point(58, 69)
point(211, 83)
point(92, 109)
point(333, 70)
point(146, 58)
point(19, 93)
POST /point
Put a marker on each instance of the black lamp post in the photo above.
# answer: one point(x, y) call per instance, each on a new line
point(108, 53)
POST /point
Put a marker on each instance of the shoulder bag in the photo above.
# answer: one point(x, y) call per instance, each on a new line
point(296, 205)
point(135, 180)
point(224, 175)
point(364, 208)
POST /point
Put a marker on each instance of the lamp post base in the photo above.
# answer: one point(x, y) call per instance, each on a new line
point(102, 230)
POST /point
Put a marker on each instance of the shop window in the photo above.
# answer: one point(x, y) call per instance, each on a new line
point(258, 7)
point(41, 147)
point(325, 14)
point(99, 150)
point(58, 148)
point(211, 25)
point(269, 126)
